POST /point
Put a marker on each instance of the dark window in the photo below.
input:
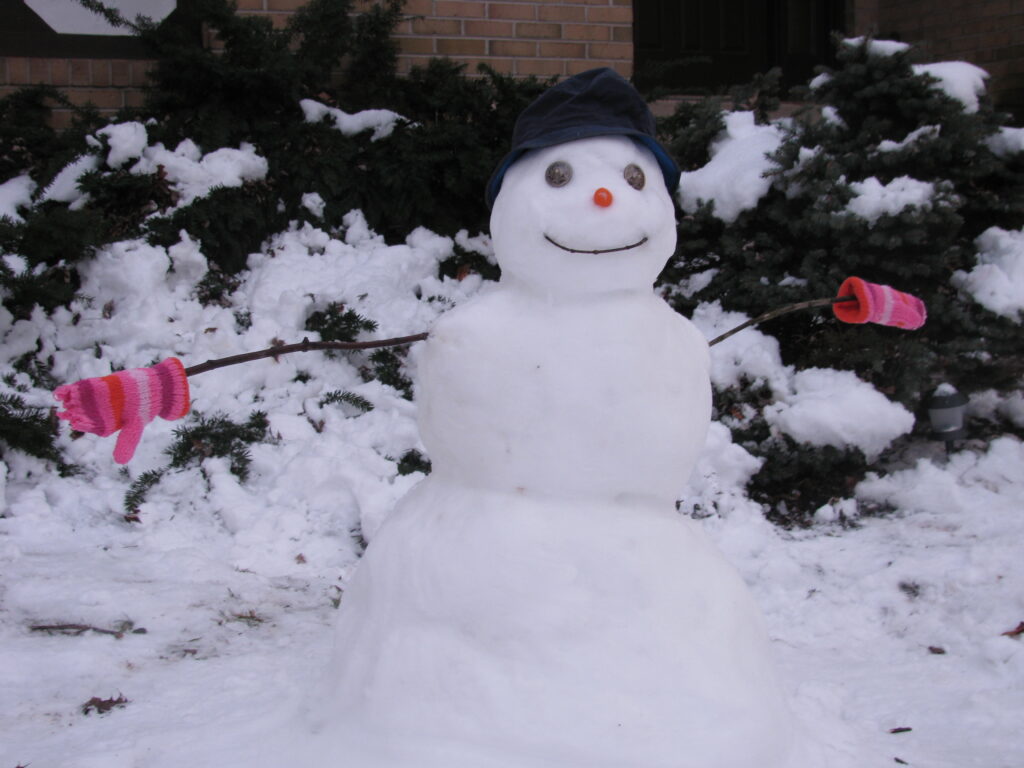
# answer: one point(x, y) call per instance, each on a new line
point(701, 46)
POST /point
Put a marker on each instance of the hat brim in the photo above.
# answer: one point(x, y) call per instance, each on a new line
point(669, 169)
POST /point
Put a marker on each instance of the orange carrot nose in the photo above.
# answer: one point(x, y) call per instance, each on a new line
point(603, 197)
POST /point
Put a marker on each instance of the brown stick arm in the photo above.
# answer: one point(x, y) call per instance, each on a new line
point(781, 311)
point(303, 346)
point(310, 346)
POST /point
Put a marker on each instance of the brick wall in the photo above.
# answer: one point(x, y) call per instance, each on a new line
point(107, 84)
point(862, 17)
point(518, 37)
point(562, 37)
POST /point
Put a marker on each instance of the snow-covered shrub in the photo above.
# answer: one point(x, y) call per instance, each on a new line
point(28, 428)
point(300, 124)
point(892, 175)
point(321, 100)
point(412, 151)
point(997, 281)
point(215, 436)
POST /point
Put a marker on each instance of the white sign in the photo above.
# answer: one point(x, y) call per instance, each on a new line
point(67, 17)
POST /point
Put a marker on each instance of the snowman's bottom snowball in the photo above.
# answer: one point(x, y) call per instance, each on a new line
point(489, 629)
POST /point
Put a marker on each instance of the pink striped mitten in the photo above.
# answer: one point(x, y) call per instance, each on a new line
point(126, 401)
point(879, 304)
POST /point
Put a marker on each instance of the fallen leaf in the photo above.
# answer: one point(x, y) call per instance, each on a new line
point(102, 706)
point(1016, 632)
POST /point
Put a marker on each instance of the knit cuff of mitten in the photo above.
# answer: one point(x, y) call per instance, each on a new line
point(879, 304)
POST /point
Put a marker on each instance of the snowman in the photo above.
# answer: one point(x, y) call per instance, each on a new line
point(537, 600)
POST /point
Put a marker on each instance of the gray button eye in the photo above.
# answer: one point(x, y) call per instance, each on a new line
point(634, 176)
point(558, 174)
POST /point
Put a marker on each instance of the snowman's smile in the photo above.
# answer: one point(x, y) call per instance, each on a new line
point(554, 242)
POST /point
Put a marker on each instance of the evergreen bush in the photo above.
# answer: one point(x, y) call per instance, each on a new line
point(337, 323)
point(27, 429)
point(213, 436)
point(872, 119)
point(429, 172)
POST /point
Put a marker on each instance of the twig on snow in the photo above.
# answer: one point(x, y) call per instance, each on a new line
point(81, 629)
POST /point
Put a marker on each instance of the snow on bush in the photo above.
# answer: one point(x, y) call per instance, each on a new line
point(134, 305)
point(127, 142)
point(815, 406)
point(735, 176)
point(960, 80)
point(873, 199)
point(963, 487)
point(64, 187)
point(805, 155)
point(194, 175)
point(361, 271)
point(381, 121)
point(691, 284)
point(831, 115)
point(879, 47)
point(189, 172)
point(924, 132)
point(828, 407)
point(722, 471)
point(1006, 141)
point(820, 80)
point(136, 309)
point(997, 282)
point(314, 203)
point(991, 405)
point(749, 355)
point(14, 194)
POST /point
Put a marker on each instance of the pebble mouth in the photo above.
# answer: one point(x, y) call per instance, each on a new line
point(597, 250)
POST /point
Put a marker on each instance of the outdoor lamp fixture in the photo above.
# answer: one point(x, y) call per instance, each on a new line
point(946, 410)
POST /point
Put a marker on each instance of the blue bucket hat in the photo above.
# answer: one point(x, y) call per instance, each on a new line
point(598, 102)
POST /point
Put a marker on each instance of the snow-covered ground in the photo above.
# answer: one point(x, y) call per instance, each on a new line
point(194, 634)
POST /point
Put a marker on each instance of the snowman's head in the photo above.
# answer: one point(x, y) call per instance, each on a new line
point(586, 216)
point(582, 203)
